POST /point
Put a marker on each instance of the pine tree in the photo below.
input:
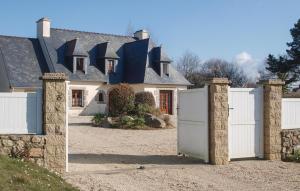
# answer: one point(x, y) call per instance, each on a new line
point(287, 67)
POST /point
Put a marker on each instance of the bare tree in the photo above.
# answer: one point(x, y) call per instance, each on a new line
point(198, 73)
point(130, 29)
point(189, 65)
point(223, 69)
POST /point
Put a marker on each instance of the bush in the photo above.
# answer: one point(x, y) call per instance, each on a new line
point(167, 119)
point(127, 121)
point(121, 99)
point(296, 156)
point(98, 119)
point(141, 109)
point(156, 112)
point(131, 122)
point(138, 122)
point(144, 98)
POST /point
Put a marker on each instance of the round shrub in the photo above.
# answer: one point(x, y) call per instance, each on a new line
point(144, 98)
point(121, 99)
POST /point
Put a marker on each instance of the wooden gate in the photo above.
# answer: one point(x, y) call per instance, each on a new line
point(245, 131)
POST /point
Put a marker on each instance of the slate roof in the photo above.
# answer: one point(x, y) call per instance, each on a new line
point(23, 61)
point(74, 48)
point(56, 45)
point(159, 55)
point(105, 50)
point(137, 59)
point(136, 54)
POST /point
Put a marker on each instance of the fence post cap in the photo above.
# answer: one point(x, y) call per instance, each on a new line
point(54, 76)
point(271, 82)
point(218, 81)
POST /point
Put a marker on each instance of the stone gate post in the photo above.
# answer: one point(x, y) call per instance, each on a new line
point(54, 120)
point(272, 118)
point(218, 125)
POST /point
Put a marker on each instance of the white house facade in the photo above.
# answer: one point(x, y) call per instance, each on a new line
point(93, 62)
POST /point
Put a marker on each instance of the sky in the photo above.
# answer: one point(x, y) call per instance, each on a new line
point(242, 31)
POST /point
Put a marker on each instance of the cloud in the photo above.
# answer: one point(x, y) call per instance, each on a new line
point(250, 65)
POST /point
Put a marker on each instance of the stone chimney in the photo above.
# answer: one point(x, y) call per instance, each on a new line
point(43, 27)
point(141, 34)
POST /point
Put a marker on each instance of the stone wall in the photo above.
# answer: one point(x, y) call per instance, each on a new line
point(290, 139)
point(47, 150)
point(218, 125)
point(31, 147)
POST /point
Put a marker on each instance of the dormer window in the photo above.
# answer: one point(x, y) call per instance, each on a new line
point(80, 64)
point(107, 58)
point(76, 56)
point(161, 62)
point(111, 66)
point(165, 67)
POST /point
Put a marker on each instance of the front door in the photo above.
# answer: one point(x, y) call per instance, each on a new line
point(166, 102)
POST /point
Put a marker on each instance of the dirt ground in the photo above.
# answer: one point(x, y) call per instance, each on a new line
point(142, 160)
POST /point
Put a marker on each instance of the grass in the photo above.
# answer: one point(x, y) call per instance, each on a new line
point(16, 175)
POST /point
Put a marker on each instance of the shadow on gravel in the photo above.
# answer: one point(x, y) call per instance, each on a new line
point(131, 159)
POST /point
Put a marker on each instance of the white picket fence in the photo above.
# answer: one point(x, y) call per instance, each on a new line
point(21, 113)
point(290, 117)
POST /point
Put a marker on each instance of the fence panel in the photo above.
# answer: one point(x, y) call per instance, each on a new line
point(290, 115)
point(21, 113)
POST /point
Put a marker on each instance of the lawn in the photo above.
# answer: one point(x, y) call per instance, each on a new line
point(22, 176)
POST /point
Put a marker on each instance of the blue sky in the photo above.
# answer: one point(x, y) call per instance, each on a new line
point(231, 29)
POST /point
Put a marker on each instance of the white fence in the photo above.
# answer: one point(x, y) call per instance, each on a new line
point(290, 117)
point(21, 113)
point(192, 128)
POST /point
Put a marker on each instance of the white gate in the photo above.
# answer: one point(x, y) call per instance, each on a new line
point(192, 128)
point(245, 131)
point(21, 113)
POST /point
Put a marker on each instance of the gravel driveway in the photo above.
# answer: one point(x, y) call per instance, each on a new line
point(111, 159)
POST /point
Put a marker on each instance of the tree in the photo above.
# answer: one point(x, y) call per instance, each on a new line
point(198, 73)
point(130, 29)
point(222, 69)
point(287, 67)
point(189, 65)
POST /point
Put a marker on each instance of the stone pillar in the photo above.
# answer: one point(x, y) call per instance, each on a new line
point(272, 118)
point(54, 118)
point(218, 121)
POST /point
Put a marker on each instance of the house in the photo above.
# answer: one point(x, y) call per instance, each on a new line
point(93, 62)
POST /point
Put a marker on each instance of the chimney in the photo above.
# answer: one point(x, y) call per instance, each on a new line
point(141, 34)
point(43, 27)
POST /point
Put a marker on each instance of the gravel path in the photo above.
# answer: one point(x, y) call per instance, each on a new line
point(109, 159)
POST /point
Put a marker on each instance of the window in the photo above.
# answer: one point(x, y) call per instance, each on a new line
point(80, 64)
point(100, 97)
point(77, 98)
point(166, 69)
point(111, 66)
